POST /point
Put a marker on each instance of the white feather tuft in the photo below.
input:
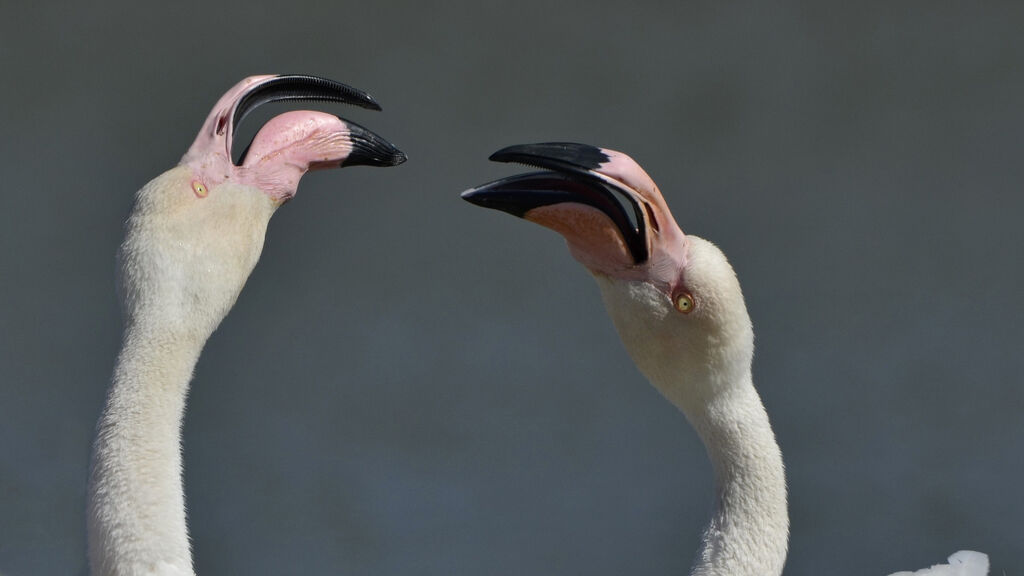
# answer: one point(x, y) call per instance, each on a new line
point(963, 563)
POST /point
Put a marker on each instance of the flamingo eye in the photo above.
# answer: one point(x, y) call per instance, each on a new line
point(200, 189)
point(684, 303)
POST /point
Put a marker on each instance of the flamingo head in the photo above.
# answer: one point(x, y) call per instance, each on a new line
point(197, 230)
point(674, 298)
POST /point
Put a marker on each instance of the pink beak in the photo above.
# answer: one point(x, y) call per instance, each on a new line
point(604, 204)
point(290, 144)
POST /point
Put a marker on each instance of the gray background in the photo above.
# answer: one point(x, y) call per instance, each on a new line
point(412, 385)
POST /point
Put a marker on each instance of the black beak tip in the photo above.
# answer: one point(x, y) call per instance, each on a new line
point(319, 88)
point(473, 196)
point(369, 149)
point(369, 103)
point(495, 197)
point(380, 156)
point(499, 156)
point(398, 157)
point(558, 156)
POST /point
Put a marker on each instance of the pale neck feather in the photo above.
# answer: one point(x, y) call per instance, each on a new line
point(706, 373)
point(136, 509)
point(749, 530)
point(183, 263)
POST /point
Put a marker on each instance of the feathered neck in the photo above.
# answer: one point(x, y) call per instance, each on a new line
point(136, 510)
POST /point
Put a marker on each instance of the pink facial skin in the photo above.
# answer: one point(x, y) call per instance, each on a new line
point(282, 151)
point(595, 241)
point(217, 132)
point(287, 146)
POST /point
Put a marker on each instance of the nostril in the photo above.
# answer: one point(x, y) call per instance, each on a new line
point(222, 123)
point(651, 218)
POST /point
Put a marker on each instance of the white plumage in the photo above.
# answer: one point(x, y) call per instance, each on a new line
point(963, 563)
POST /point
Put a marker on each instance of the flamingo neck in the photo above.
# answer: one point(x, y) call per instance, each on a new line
point(748, 533)
point(136, 509)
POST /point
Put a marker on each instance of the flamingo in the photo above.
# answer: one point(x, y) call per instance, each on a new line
point(678, 308)
point(192, 239)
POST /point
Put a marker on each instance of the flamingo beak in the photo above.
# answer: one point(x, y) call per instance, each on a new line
point(217, 134)
point(603, 219)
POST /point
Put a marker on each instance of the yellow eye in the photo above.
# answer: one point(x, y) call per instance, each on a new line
point(684, 303)
point(199, 188)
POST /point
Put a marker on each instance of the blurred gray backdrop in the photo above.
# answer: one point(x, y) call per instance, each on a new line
point(413, 385)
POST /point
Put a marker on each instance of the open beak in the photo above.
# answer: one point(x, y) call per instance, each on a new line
point(578, 180)
point(362, 147)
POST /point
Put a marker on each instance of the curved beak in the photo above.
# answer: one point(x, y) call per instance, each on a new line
point(577, 177)
point(217, 134)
